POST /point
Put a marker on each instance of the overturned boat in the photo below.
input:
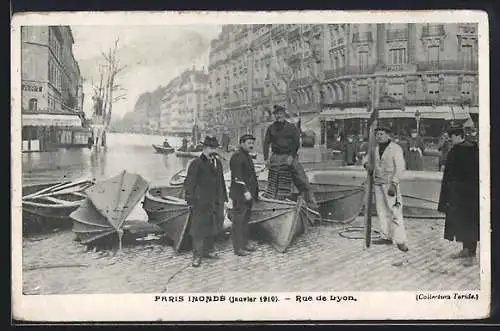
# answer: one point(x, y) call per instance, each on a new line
point(162, 149)
point(105, 210)
point(48, 206)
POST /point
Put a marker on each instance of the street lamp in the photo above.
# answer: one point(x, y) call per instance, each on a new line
point(417, 118)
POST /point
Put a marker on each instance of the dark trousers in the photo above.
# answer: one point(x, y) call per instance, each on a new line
point(471, 246)
point(241, 218)
point(202, 246)
point(299, 176)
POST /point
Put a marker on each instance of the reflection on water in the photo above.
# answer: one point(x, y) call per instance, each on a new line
point(131, 152)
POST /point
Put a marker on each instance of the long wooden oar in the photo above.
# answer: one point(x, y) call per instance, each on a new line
point(58, 187)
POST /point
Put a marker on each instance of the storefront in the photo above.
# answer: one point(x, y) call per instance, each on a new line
point(43, 132)
point(430, 121)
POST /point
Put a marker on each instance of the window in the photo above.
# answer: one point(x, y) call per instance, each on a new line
point(397, 56)
point(362, 60)
point(467, 56)
point(396, 90)
point(433, 89)
point(433, 52)
point(33, 104)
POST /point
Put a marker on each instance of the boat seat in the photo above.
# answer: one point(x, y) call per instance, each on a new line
point(279, 184)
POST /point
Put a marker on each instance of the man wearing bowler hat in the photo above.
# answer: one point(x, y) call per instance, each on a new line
point(244, 191)
point(205, 193)
point(284, 139)
point(388, 170)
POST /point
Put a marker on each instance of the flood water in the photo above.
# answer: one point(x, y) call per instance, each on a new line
point(131, 152)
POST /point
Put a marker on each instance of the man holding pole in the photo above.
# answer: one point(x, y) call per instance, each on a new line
point(387, 169)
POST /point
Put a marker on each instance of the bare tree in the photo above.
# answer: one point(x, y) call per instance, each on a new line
point(108, 74)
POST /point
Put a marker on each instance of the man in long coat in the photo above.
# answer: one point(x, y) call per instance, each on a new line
point(205, 194)
point(244, 191)
point(415, 158)
point(459, 198)
point(284, 139)
point(389, 168)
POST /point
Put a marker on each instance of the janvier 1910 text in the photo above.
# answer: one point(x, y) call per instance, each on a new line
point(250, 299)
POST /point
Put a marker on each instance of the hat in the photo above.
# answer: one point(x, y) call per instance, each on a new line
point(457, 130)
point(210, 142)
point(246, 137)
point(278, 109)
point(383, 128)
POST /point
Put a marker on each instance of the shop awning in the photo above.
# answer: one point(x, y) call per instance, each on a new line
point(429, 112)
point(310, 123)
point(343, 114)
point(51, 120)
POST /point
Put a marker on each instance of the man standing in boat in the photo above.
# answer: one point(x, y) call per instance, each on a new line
point(284, 139)
point(205, 194)
point(244, 191)
point(389, 167)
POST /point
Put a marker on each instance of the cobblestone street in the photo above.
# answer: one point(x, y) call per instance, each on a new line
point(320, 260)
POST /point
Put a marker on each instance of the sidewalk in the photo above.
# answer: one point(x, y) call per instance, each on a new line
point(320, 260)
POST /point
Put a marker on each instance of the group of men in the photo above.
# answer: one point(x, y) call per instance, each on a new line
point(206, 191)
point(206, 194)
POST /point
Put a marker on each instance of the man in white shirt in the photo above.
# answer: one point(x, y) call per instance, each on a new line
point(389, 168)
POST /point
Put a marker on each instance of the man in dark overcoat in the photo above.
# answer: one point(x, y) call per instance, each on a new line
point(205, 194)
point(283, 138)
point(459, 197)
point(415, 159)
point(244, 191)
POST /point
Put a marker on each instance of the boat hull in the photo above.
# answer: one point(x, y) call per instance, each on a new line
point(420, 190)
point(40, 216)
point(279, 221)
point(166, 208)
point(163, 150)
point(187, 154)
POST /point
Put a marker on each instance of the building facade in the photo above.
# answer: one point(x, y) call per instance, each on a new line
point(52, 93)
point(182, 106)
point(425, 75)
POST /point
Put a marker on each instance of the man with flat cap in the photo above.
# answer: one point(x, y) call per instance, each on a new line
point(389, 168)
point(244, 192)
point(459, 197)
point(205, 193)
point(284, 139)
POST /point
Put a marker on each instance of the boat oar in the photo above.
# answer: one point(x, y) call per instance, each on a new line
point(68, 190)
point(57, 187)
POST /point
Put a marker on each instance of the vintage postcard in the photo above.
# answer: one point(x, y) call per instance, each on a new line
point(222, 166)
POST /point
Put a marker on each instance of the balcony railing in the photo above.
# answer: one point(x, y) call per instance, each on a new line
point(397, 34)
point(362, 37)
point(433, 30)
point(447, 65)
point(351, 70)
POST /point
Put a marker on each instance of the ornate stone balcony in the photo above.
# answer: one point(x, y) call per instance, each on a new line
point(359, 37)
point(397, 34)
point(447, 65)
point(433, 30)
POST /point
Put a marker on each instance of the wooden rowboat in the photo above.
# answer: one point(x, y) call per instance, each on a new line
point(187, 154)
point(162, 149)
point(280, 220)
point(166, 207)
point(48, 206)
point(420, 189)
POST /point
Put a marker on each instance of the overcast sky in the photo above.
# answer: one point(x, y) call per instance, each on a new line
point(153, 55)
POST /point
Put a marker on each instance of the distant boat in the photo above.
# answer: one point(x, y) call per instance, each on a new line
point(48, 206)
point(162, 149)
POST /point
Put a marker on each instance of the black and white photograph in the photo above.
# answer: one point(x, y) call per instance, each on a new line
point(250, 166)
